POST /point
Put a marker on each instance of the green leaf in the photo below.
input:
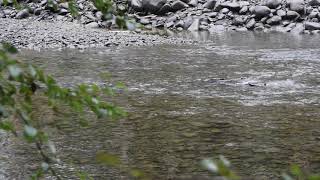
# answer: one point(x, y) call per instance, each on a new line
point(7, 126)
point(295, 170)
point(73, 8)
point(107, 159)
point(9, 47)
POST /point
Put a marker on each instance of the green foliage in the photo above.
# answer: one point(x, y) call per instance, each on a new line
point(73, 8)
point(21, 83)
point(219, 167)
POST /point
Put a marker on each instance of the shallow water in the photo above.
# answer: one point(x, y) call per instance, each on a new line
point(253, 97)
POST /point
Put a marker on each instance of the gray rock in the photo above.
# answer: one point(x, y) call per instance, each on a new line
point(292, 15)
point(210, 4)
point(297, 5)
point(193, 3)
point(314, 3)
point(244, 10)
point(224, 11)
point(233, 6)
point(22, 14)
point(250, 24)
point(312, 26)
point(187, 22)
point(298, 29)
point(195, 25)
point(274, 20)
point(153, 5)
point(164, 9)
point(238, 20)
point(314, 13)
point(37, 11)
point(241, 29)
point(281, 13)
point(92, 25)
point(136, 5)
point(217, 28)
point(63, 11)
point(261, 11)
point(178, 5)
point(144, 21)
point(271, 3)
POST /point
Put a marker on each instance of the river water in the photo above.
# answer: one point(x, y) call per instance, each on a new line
point(252, 97)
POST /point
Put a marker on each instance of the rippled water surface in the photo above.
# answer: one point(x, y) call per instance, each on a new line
point(255, 98)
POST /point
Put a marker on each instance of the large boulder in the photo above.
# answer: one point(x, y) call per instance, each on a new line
point(312, 26)
point(195, 25)
point(292, 15)
point(22, 14)
point(153, 5)
point(261, 11)
point(314, 3)
point(178, 5)
point(297, 5)
point(136, 5)
point(210, 4)
point(274, 20)
point(232, 6)
point(271, 3)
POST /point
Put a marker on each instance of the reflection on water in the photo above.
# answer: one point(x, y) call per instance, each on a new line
point(251, 97)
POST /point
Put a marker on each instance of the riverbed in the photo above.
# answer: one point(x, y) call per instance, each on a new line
point(252, 97)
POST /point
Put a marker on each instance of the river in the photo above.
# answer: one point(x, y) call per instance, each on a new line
point(252, 97)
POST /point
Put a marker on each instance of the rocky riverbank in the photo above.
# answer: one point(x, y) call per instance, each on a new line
point(298, 16)
point(38, 35)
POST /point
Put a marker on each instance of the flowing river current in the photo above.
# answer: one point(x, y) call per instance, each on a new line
point(252, 97)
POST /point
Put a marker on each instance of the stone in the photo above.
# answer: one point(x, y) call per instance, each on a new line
point(164, 9)
point(178, 5)
point(281, 13)
point(63, 11)
point(144, 21)
point(22, 14)
point(238, 20)
point(312, 26)
point(250, 24)
point(244, 10)
point(314, 13)
point(274, 20)
point(195, 25)
point(153, 6)
point(314, 3)
point(210, 4)
point(271, 3)
point(298, 29)
point(292, 15)
point(92, 25)
point(232, 6)
point(136, 5)
point(187, 22)
point(224, 11)
point(261, 11)
point(193, 3)
point(37, 11)
point(297, 5)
